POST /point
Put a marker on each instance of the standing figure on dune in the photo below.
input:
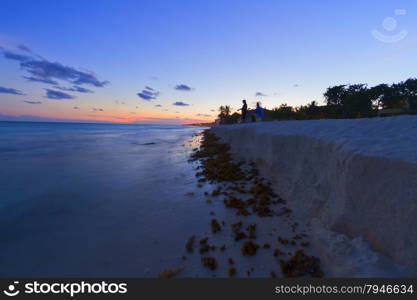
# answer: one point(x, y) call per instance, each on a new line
point(244, 110)
point(260, 111)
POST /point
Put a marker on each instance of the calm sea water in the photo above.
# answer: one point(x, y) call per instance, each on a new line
point(94, 199)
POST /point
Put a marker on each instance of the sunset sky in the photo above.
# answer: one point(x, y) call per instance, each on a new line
point(166, 61)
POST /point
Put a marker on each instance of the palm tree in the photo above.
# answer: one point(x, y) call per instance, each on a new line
point(224, 111)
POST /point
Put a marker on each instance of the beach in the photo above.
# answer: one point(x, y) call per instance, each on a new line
point(146, 201)
point(352, 180)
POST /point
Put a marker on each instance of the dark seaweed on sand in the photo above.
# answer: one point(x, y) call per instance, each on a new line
point(217, 165)
point(301, 265)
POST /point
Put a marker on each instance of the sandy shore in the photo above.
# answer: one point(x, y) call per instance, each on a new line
point(252, 232)
point(353, 180)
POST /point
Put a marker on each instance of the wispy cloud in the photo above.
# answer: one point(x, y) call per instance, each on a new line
point(42, 80)
point(75, 88)
point(148, 94)
point(260, 94)
point(183, 87)
point(158, 105)
point(32, 102)
point(76, 107)
point(4, 90)
point(180, 103)
point(16, 56)
point(24, 48)
point(42, 70)
point(203, 115)
point(57, 95)
point(97, 109)
point(54, 70)
point(296, 85)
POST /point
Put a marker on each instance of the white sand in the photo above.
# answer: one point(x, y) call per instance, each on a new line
point(355, 180)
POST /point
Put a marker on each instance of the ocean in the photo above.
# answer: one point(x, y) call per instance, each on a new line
point(95, 199)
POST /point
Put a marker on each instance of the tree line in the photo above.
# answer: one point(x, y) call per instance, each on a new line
point(345, 101)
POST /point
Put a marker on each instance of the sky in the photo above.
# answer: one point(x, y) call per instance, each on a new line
point(177, 61)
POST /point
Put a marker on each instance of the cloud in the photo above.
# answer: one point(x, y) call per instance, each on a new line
point(213, 110)
point(4, 90)
point(148, 94)
point(97, 109)
point(183, 87)
point(75, 88)
point(42, 80)
point(158, 105)
point(53, 70)
point(180, 103)
point(42, 69)
point(76, 107)
point(24, 48)
point(33, 102)
point(203, 115)
point(16, 56)
point(260, 94)
point(296, 85)
point(57, 95)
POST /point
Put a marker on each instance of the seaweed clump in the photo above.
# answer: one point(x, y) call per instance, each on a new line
point(301, 265)
point(170, 273)
point(249, 248)
point(205, 247)
point(232, 271)
point(215, 226)
point(209, 262)
point(217, 163)
point(236, 229)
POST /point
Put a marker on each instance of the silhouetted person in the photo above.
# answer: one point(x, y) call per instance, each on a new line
point(260, 111)
point(244, 110)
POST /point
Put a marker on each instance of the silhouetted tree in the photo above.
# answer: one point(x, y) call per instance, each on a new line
point(334, 95)
point(344, 101)
point(225, 116)
point(283, 112)
point(224, 111)
point(356, 101)
point(379, 94)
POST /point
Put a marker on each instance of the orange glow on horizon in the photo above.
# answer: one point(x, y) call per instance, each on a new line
point(118, 117)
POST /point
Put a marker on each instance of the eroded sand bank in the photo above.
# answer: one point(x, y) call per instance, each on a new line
point(354, 180)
